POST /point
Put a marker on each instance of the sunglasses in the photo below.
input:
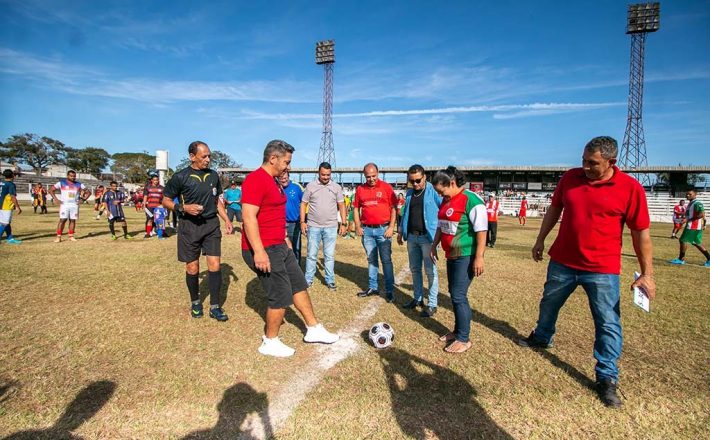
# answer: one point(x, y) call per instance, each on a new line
point(419, 180)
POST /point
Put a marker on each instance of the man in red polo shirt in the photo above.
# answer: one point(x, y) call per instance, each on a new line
point(492, 208)
point(266, 251)
point(597, 200)
point(375, 214)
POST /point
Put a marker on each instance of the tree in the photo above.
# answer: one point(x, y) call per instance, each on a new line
point(88, 160)
point(37, 152)
point(133, 166)
point(218, 158)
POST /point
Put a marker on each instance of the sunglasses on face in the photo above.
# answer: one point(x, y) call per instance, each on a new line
point(419, 180)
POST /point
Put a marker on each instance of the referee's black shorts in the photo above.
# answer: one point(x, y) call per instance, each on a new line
point(285, 279)
point(198, 236)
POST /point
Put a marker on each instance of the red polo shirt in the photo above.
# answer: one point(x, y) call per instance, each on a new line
point(376, 202)
point(260, 189)
point(594, 215)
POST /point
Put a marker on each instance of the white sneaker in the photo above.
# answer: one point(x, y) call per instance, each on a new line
point(318, 333)
point(274, 347)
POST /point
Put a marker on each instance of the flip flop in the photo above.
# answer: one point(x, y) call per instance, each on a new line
point(447, 337)
point(458, 347)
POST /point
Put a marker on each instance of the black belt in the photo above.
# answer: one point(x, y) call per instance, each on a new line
point(376, 226)
point(418, 233)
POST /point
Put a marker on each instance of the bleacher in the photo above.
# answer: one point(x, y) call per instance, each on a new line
point(660, 205)
point(25, 181)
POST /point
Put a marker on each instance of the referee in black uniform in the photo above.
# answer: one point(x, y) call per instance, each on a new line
point(198, 188)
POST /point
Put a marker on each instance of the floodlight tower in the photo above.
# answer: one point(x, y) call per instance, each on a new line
point(325, 55)
point(642, 18)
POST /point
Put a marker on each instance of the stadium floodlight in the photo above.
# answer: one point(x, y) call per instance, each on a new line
point(325, 52)
point(325, 55)
point(643, 17)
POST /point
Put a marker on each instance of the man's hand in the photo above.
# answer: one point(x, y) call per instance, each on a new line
point(400, 241)
point(342, 230)
point(477, 266)
point(229, 227)
point(193, 209)
point(433, 255)
point(389, 232)
point(647, 284)
point(19, 210)
point(304, 229)
point(288, 243)
point(262, 262)
point(537, 250)
point(359, 231)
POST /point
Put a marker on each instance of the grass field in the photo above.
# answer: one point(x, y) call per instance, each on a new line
point(97, 342)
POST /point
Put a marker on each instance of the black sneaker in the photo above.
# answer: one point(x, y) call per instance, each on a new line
point(532, 342)
point(196, 311)
point(428, 312)
point(606, 388)
point(332, 286)
point(412, 304)
point(389, 297)
point(368, 292)
point(218, 314)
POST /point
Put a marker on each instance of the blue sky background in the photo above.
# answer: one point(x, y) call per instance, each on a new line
point(469, 83)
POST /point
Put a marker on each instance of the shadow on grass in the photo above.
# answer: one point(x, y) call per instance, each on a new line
point(238, 402)
point(84, 406)
point(227, 276)
point(432, 401)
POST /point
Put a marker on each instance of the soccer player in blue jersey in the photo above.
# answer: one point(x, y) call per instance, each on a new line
point(8, 203)
point(113, 201)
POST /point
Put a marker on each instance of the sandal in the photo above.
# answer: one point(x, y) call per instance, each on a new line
point(447, 337)
point(458, 347)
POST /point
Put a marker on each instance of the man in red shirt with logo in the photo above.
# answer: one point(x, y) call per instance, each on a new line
point(266, 250)
point(492, 208)
point(597, 200)
point(678, 218)
point(375, 214)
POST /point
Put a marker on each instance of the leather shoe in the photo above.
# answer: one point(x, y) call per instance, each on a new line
point(428, 312)
point(412, 304)
point(368, 292)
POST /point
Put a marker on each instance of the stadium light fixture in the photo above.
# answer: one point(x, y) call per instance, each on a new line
point(643, 18)
point(325, 52)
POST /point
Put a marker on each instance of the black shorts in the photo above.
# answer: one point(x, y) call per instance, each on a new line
point(285, 279)
point(117, 219)
point(232, 213)
point(198, 236)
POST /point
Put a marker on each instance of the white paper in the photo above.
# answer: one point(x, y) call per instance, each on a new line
point(640, 298)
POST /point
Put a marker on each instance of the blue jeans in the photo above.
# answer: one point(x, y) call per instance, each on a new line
point(328, 236)
point(603, 293)
point(294, 234)
point(460, 275)
point(374, 242)
point(418, 248)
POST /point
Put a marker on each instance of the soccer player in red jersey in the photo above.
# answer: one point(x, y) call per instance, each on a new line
point(678, 218)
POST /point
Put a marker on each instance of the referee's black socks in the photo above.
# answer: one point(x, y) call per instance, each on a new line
point(215, 284)
point(193, 286)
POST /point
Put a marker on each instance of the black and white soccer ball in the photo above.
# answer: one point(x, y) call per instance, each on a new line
point(381, 335)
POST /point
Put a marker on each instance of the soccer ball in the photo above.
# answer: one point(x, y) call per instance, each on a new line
point(381, 335)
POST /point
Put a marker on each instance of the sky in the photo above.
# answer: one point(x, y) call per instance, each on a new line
point(458, 82)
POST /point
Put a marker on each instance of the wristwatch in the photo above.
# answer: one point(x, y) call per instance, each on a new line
point(179, 208)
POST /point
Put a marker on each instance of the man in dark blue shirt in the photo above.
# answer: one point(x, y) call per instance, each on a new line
point(294, 194)
point(113, 201)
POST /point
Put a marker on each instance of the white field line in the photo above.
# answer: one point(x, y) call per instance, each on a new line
point(285, 402)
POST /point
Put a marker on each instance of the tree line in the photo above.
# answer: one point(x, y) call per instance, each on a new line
point(40, 152)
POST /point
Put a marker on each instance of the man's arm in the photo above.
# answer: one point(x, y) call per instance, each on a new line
point(16, 203)
point(434, 245)
point(222, 212)
point(343, 218)
point(393, 220)
point(548, 222)
point(356, 218)
point(251, 228)
point(54, 196)
point(644, 254)
point(304, 226)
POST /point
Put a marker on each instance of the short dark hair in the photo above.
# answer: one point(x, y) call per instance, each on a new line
point(192, 148)
point(415, 169)
point(278, 148)
point(450, 174)
point(325, 165)
point(606, 145)
point(70, 172)
point(113, 182)
point(370, 164)
point(8, 174)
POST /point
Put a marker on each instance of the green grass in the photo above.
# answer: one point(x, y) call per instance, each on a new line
point(97, 340)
